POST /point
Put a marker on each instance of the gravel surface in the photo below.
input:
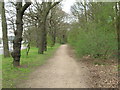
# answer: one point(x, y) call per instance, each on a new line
point(60, 71)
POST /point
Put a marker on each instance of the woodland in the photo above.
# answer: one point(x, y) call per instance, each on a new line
point(91, 34)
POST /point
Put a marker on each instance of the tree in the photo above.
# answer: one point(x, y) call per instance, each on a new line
point(55, 22)
point(39, 17)
point(118, 26)
point(16, 54)
point(79, 10)
point(4, 30)
point(43, 13)
point(31, 22)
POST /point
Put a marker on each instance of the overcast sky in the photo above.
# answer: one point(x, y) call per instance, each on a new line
point(67, 4)
point(66, 7)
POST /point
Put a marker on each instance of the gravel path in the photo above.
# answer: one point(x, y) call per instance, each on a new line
point(60, 71)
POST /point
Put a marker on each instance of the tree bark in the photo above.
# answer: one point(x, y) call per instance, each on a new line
point(28, 48)
point(16, 54)
point(53, 40)
point(41, 40)
point(43, 33)
point(4, 31)
point(18, 36)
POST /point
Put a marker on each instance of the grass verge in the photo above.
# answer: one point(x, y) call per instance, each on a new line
point(11, 76)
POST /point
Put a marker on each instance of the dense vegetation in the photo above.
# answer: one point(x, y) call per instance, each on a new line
point(94, 33)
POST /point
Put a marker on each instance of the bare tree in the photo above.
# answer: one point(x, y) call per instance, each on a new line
point(46, 7)
point(4, 30)
point(18, 33)
point(55, 22)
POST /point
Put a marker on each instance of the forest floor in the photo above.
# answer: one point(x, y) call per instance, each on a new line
point(63, 70)
point(103, 73)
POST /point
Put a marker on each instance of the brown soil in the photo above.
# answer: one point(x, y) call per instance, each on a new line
point(103, 73)
point(61, 71)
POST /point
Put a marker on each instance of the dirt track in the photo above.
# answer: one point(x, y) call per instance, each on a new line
point(60, 71)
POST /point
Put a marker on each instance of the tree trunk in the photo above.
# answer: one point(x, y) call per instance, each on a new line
point(28, 49)
point(4, 31)
point(43, 35)
point(45, 42)
point(41, 38)
point(16, 54)
point(118, 27)
point(45, 31)
point(18, 36)
point(53, 38)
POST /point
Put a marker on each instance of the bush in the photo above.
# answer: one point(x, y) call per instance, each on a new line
point(95, 40)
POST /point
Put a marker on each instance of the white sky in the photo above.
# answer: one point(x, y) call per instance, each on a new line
point(67, 4)
point(66, 7)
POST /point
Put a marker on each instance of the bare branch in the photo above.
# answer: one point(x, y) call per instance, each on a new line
point(25, 7)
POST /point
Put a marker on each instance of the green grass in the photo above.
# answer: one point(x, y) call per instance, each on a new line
point(12, 76)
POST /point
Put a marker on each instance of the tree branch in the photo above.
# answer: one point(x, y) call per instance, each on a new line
point(54, 5)
point(25, 7)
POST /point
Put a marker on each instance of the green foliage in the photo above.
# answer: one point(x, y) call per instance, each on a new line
point(11, 75)
point(98, 36)
point(93, 42)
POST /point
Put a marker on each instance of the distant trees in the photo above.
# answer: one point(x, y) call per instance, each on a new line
point(56, 24)
point(4, 31)
point(16, 54)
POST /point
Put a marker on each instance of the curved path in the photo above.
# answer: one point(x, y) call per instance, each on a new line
point(60, 71)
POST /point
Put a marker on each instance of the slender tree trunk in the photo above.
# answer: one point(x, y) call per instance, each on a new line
point(45, 30)
point(4, 30)
point(37, 38)
point(118, 27)
point(85, 8)
point(45, 34)
point(54, 38)
point(119, 32)
point(28, 49)
point(45, 43)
